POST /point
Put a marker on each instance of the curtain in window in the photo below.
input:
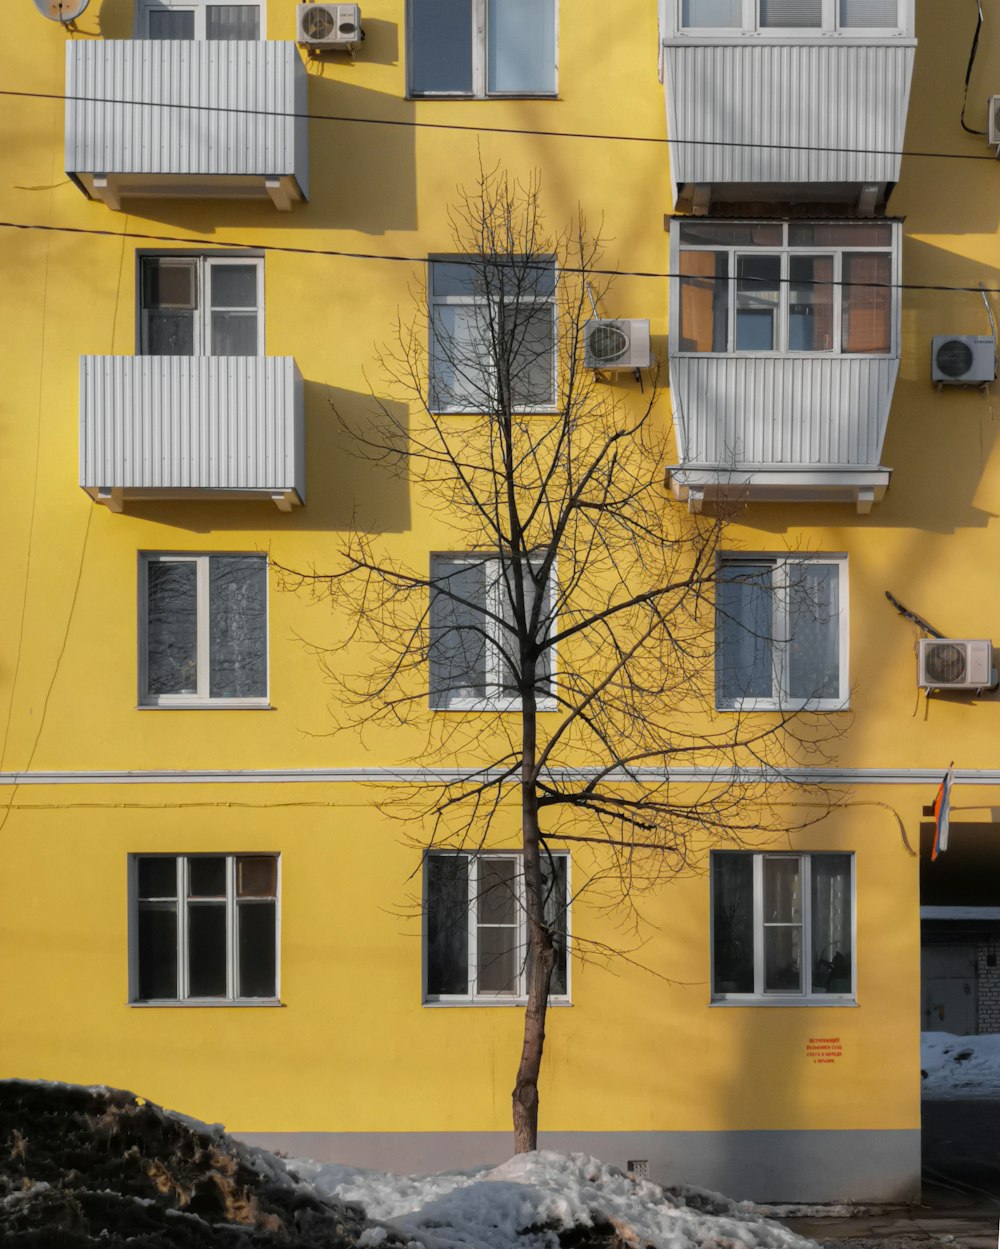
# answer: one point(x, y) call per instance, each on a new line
point(238, 627)
point(880, 14)
point(457, 641)
point(171, 627)
point(867, 322)
point(704, 324)
point(707, 13)
point(441, 33)
point(508, 639)
point(232, 21)
point(791, 13)
point(460, 374)
point(554, 909)
point(813, 648)
point(732, 923)
point(782, 925)
point(744, 601)
point(831, 923)
point(521, 43)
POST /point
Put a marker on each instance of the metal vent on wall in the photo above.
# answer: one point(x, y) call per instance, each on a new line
point(954, 357)
point(945, 663)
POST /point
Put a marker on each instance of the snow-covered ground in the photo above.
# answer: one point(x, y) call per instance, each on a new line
point(960, 1066)
point(527, 1202)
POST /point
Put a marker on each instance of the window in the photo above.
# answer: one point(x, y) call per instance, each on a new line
point(786, 287)
point(197, 19)
point(201, 306)
point(203, 629)
point(492, 334)
point(475, 931)
point(482, 47)
point(782, 926)
point(781, 633)
point(204, 928)
point(792, 16)
point(473, 660)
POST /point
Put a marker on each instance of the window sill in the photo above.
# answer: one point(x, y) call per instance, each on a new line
point(818, 706)
point(211, 704)
point(802, 36)
point(450, 1003)
point(792, 1000)
point(544, 707)
point(468, 96)
point(212, 1003)
point(784, 355)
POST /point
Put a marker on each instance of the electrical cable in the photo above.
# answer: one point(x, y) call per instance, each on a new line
point(968, 71)
point(506, 130)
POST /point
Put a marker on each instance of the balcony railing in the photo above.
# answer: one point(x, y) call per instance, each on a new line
point(185, 427)
point(212, 119)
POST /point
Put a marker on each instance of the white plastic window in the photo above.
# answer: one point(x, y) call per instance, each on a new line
point(482, 47)
point(201, 305)
point(782, 927)
point(793, 17)
point(198, 19)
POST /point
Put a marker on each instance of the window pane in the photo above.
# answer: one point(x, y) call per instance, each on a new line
point(232, 21)
point(441, 46)
point(521, 46)
point(457, 641)
point(157, 877)
point(791, 13)
point(867, 308)
point(782, 894)
point(256, 876)
point(704, 324)
point(167, 24)
point(497, 897)
point(207, 876)
point(705, 13)
point(782, 960)
point(499, 960)
point(255, 925)
point(872, 13)
point(731, 233)
point(172, 627)
point(447, 924)
point(234, 286)
point(743, 633)
point(238, 626)
point(831, 923)
point(813, 630)
point(157, 951)
point(234, 334)
point(462, 359)
point(758, 296)
point(455, 277)
point(732, 923)
point(169, 283)
point(810, 303)
point(839, 234)
point(509, 639)
point(532, 356)
point(169, 334)
point(206, 949)
point(554, 909)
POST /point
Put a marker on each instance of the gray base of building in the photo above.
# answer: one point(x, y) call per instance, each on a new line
point(775, 1166)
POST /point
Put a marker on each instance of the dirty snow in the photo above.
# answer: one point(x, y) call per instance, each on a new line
point(960, 1066)
point(527, 1202)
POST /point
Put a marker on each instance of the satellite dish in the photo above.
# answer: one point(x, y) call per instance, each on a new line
point(61, 10)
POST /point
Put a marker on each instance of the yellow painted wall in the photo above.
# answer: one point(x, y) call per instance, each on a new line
point(352, 1049)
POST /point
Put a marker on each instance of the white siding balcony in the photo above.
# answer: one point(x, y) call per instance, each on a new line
point(771, 114)
point(216, 119)
point(192, 427)
point(784, 352)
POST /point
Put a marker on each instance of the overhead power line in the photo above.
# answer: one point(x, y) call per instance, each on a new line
point(409, 123)
point(395, 258)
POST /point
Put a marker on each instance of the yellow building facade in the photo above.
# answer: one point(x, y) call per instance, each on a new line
point(186, 299)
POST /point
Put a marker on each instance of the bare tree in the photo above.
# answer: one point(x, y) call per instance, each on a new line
point(570, 633)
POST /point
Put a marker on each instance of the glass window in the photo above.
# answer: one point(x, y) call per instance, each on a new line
point(788, 17)
point(758, 299)
point(782, 925)
point(704, 301)
point(705, 14)
point(781, 633)
point(482, 47)
point(200, 306)
point(473, 649)
point(199, 935)
point(475, 928)
point(874, 14)
point(493, 334)
point(204, 630)
point(198, 19)
point(791, 13)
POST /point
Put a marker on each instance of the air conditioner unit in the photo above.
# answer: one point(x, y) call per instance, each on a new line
point(616, 345)
point(956, 664)
point(963, 360)
point(329, 26)
point(993, 122)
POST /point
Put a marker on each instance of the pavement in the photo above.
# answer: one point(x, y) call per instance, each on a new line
point(960, 1205)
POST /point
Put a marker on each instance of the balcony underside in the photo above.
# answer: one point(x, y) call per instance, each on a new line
point(115, 498)
point(113, 189)
point(710, 486)
point(783, 199)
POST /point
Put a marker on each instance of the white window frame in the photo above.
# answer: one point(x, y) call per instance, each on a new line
point(202, 699)
point(786, 250)
point(495, 699)
point(205, 264)
point(780, 701)
point(519, 996)
point(474, 300)
point(197, 7)
point(184, 998)
point(830, 26)
point(775, 997)
point(480, 67)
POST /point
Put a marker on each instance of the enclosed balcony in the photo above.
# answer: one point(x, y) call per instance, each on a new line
point(784, 351)
point(192, 427)
point(786, 101)
point(188, 118)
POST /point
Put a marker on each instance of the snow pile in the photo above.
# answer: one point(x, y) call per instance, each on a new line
point(960, 1066)
point(545, 1201)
